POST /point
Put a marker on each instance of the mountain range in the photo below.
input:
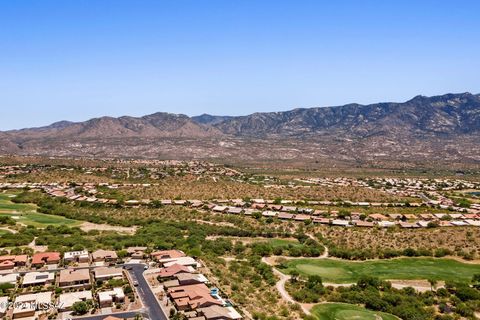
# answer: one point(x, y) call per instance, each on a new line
point(422, 131)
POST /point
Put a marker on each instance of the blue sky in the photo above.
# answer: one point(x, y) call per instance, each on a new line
point(77, 59)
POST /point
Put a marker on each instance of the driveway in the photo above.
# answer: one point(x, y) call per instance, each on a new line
point(152, 310)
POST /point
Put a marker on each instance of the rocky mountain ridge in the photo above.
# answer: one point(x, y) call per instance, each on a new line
point(422, 130)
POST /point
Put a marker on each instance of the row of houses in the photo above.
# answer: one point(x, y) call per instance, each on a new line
point(362, 220)
point(90, 195)
point(402, 224)
point(189, 290)
point(53, 259)
point(64, 278)
point(33, 305)
point(78, 281)
point(284, 210)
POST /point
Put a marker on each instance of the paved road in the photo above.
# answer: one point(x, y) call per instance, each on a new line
point(152, 310)
point(152, 306)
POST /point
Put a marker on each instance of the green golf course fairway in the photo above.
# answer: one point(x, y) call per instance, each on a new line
point(2, 232)
point(341, 271)
point(341, 311)
point(27, 214)
point(282, 242)
point(7, 206)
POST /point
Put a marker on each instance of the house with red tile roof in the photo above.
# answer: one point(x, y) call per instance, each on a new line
point(173, 270)
point(19, 260)
point(191, 297)
point(7, 265)
point(43, 258)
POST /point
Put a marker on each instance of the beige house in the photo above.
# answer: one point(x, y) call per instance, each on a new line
point(104, 256)
point(136, 252)
point(105, 273)
point(70, 278)
point(67, 300)
point(38, 278)
point(219, 313)
point(107, 298)
point(28, 305)
point(9, 278)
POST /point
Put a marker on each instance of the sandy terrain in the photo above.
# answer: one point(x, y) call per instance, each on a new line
point(87, 226)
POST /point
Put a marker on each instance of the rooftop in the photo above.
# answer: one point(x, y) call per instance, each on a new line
point(67, 300)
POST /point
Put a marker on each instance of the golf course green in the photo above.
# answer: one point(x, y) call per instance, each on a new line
point(343, 311)
point(341, 271)
point(282, 243)
point(27, 214)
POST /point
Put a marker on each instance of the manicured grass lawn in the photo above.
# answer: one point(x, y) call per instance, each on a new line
point(4, 196)
point(341, 311)
point(282, 242)
point(6, 203)
point(2, 232)
point(7, 206)
point(341, 271)
point(27, 214)
point(20, 207)
point(40, 220)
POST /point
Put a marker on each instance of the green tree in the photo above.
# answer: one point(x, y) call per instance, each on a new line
point(294, 276)
point(433, 284)
point(80, 307)
point(476, 280)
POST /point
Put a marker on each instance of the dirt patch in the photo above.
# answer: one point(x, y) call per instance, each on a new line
point(221, 224)
point(88, 226)
point(419, 285)
point(247, 240)
point(37, 248)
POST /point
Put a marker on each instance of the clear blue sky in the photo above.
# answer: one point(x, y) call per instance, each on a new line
point(77, 59)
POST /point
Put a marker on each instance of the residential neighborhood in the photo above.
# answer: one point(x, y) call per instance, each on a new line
point(93, 247)
point(52, 284)
point(239, 160)
point(425, 191)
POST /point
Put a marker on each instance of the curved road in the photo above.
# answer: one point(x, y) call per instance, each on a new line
point(152, 309)
point(280, 285)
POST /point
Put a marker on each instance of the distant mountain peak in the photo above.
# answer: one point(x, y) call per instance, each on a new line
point(60, 124)
point(352, 131)
point(208, 119)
